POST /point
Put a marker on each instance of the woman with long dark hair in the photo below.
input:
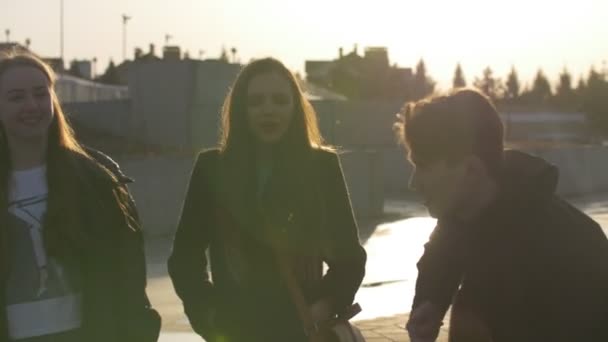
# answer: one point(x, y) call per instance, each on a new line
point(270, 200)
point(71, 251)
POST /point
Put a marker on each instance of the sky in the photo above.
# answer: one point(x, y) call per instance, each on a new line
point(527, 34)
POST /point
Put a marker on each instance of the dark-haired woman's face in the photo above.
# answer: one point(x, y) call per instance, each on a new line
point(26, 105)
point(270, 107)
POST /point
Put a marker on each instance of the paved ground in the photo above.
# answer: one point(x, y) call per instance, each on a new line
point(383, 285)
point(388, 329)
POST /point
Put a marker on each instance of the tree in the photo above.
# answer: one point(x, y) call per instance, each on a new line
point(525, 96)
point(512, 89)
point(580, 90)
point(423, 84)
point(580, 87)
point(595, 101)
point(489, 85)
point(541, 89)
point(564, 93)
point(459, 81)
point(110, 76)
point(565, 83)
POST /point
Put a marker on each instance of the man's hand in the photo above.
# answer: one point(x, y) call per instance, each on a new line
point(321, 311)
point(424, 323)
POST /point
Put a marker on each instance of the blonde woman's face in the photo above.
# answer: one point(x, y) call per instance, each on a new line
point(26, 105)
point(270, 107)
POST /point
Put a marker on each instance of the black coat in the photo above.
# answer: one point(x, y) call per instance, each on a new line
point(113, 268)
point(531, 268)
point(247, 294)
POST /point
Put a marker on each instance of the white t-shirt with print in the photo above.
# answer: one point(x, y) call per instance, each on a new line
point(43, 297)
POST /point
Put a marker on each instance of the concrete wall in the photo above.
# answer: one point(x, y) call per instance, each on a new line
point(75, 89)
point(396, 171)
point(213, 81)
point(583, 170)
point(177, 103)
point(109, 116)
point(161, 183)
point(358, 124)
point(159, 190)
point(161, 95)
point(521, 125)
point(364, 180)
point(368, 124)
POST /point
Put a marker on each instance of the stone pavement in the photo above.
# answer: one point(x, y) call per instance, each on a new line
point(177, 329)
point(385, 329)
point(389, 329)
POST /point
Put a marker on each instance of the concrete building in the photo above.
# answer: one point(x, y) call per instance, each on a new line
point(9, 47)
point(177, 103)
point(367, 77)
point(82, 69)
point(71, 89)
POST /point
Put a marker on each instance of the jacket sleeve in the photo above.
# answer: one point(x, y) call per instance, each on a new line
point(345, 256)
point(187, 263)
point(439, 269)
point(138, 322)
point(142, 322)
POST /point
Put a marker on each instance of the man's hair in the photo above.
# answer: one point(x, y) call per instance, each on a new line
point(452, 126)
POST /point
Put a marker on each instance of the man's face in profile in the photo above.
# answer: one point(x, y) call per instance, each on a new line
point(441, 184)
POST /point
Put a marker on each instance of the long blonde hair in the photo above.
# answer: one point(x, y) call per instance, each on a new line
point(63, 220)
point(60, 129)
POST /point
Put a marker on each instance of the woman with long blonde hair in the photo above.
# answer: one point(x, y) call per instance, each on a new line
point(72, 264)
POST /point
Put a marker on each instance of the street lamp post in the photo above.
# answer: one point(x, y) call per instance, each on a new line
point(61, 29)
point(7, 32)
point(125, 20)
point(94, 71)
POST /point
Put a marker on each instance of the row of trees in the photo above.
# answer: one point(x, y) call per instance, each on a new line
point(565, 96)
point(589, 95)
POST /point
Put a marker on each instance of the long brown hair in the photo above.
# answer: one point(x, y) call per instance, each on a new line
point(235, 134)
point(292, 154)
point(63, 231)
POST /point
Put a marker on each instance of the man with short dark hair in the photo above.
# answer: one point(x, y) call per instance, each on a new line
point(517, 262)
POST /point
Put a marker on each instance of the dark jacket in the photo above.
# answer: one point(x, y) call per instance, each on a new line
point(247, 294)
point(112, 264)
point(531, 268)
